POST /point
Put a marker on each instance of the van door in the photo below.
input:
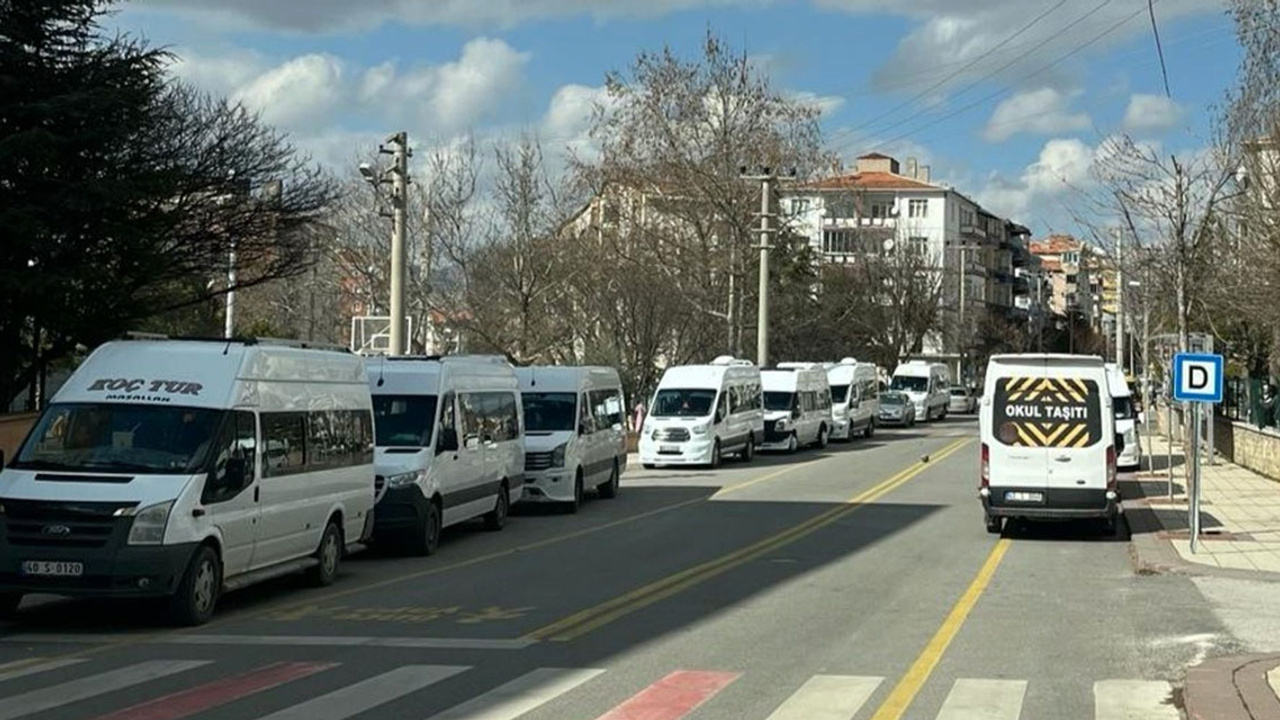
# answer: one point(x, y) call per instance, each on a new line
point(449, 466)
point(230, 497)
point(1077, 449)
point(1018, 459)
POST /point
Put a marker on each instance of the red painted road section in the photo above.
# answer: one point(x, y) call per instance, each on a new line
point(672, 697)
point(219, 692)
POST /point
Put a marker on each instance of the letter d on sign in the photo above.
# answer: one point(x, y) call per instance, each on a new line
point(1197, 377)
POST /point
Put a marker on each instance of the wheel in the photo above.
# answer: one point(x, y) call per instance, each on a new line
point(9, 603)
point(576, 503)
point(749, 452)
point(1109, 525)
point(792, 443)
point(609, 490)
point(427, 537)
point(995, 524)
point(822, 437)
point(198, 592)
point(871, 428)
point(649, 466)
point(715, 454)
point(329, 554)
point(496, 518)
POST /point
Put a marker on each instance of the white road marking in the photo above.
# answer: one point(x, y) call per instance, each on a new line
point(828, 697)
point(510, 701)
point(368, 694)
point(29, 669)
point(280, 640)
point(984, 700)
point(74, 691)
point(1133, 700)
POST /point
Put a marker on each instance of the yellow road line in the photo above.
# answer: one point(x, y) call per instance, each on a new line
point(905, 691)
point(593, 618)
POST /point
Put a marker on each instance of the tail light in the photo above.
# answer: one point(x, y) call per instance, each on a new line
point(1111, 467)
point(986, 465)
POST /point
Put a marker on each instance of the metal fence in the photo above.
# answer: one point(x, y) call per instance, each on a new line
point(1243, 400)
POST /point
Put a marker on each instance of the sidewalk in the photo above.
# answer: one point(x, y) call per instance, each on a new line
point(1240, 511)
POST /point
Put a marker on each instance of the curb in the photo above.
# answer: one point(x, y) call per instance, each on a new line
point(1152, 553)
point(1232, 688)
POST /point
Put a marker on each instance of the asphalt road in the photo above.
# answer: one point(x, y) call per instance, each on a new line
point(855, 582)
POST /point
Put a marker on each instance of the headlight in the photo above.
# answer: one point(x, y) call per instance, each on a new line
point(406, 479)
point(557, 455)
point(149, 524)
point(782, 424)
point(700, 429)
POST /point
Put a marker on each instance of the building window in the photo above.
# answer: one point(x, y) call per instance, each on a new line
point(880, 211)
point(1072, 258)
point(839, 242)
point(1071, 279)
point(918, 208)
point(918, 245)
point(799, 205)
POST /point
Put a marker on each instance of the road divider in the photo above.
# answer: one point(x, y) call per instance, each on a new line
point(593, 618)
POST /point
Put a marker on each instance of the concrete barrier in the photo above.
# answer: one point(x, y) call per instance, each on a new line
point(1246, 445)
point(13, 430)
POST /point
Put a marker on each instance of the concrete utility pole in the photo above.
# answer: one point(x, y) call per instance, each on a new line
point(1120, 288)
point(399, 204)
point(230, 329)
point(766, 178)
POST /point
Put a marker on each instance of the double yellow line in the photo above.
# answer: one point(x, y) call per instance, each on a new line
point(593, 618)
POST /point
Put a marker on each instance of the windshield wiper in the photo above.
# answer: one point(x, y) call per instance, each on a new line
point(44, 465)
point(119, 466)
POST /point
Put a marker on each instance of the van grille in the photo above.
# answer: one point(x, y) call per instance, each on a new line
point(534, 461)
point(771, 433)
point(33, 523)
point(379, 488)
point(676, 434)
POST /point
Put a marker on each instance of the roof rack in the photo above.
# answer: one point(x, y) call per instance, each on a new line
point(495, 359)
point(246, 341)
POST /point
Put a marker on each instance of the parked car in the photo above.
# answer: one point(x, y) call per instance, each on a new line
point(896, 408)
point(963, 401)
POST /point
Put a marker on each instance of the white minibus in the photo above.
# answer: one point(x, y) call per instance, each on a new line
point(797, 407)
point(855, 398)
point(927, 384)
point(700, 413)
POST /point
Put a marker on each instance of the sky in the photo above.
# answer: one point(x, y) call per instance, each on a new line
point(1007, 100)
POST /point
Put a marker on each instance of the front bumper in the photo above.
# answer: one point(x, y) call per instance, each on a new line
point(843, 429)
point(893, 419)
point(554, 485)
point(1130, 458)
point(1058, 504)
point(114, 570)
point(401, 508)
point(690, 452)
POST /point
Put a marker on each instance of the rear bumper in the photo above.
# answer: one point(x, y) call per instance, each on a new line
point(1056, 504)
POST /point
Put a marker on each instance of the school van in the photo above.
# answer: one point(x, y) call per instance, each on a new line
point(1047, 426)
point(797, 407)
point(182, 469)
point(855, 399)
point(449, 445)
point(927, 384)
point(700, 413)
point(1126, 412)
point(575, 436)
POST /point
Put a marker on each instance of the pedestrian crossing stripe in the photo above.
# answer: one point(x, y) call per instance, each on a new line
point(673, 696)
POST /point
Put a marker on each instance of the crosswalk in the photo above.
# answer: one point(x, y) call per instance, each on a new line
point(36, 686)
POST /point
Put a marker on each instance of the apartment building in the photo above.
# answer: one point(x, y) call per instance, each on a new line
point(1067, 265)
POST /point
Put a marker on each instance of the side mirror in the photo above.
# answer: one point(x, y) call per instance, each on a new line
point(471, 442)
point(795, 413)
point(447, 442)
point(2, 458)
point(235, 474)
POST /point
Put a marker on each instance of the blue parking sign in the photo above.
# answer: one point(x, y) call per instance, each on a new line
point(1197, 377)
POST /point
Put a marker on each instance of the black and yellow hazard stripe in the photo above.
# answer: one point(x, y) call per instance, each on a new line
point(1047, 390)
point(1052, 435)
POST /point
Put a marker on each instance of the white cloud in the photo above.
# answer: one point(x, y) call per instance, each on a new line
point(1045, 111)
point(1063, 166)
point(302, 92)
point(482, 79)
point(221, 74)
point(1151, 113)
point(825, 104)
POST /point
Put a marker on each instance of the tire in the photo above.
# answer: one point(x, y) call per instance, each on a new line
point(330, 556)
point(1109, 526)
point(871, 428)
point(197, 594)
point(427, 537)
point(823, 440)
point(792, 444)
point(749, 452)
point(609, 490)
point(995, 524)
point(9, 603)
point(649, 466)
point(575, 504)
point(715, 454)
point(496, 519)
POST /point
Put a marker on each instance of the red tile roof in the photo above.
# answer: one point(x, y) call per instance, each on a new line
point(1055, 245)
point(874, 156)
point(872, 181)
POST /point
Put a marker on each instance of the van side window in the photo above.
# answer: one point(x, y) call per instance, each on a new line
point(470, 417)
point(447, 435)
point(237, 441)
point(284, 436)
point(586, 421)
point(613, 408)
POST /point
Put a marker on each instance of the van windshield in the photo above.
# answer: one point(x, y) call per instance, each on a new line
point(683, 403)
point(124, 438)
point(549, 412)
point(404, 420)
point(1124, 407)
point(908, 383)
point(839, 393)
point(779, 400)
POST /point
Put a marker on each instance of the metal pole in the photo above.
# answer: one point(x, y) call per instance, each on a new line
point(960, 335)
point(762, 323)
point(1213, 447)
point(230, 320)
point(399, 200)
point(1120, 299)
point(1169, 445)
point(1193, 484)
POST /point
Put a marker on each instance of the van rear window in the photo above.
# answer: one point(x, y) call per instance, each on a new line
point(1047, 412)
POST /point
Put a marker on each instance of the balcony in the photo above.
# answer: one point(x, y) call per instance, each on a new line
point(972, 230)
point(863, 222)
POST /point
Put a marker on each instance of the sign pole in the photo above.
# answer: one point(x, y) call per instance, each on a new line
point(1169, 446)
point(1197, 381)
point(1193, 490)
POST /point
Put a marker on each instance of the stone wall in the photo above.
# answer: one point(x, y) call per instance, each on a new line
point(1236, 442)
point(13, 430)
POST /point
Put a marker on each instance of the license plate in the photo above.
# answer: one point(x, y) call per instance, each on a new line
point(669, 449)
point(53, 568)
point(1024, 497)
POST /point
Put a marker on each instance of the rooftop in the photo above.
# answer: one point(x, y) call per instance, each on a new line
point(873, 181)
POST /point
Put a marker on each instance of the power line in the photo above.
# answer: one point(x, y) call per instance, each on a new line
point(1005, 66)
point(1155, 30)
point(1005, 91)
point(957, 72)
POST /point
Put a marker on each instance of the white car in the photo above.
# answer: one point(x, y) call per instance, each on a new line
point(963, 401)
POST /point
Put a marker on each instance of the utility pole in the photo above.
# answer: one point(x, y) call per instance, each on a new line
point(399, 203)
point(1120, 288)
point(766, 177)
point(230, 327)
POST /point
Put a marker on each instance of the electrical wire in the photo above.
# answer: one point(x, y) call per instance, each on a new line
point(1155, 31)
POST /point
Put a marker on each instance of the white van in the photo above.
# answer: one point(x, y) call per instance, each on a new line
point(575, 434)
point(449, 444)
point(702, 412)
point(1126, 419)
point(797, 407)
point(186, 468)
point(855, 398)
point(1047, 427)
point(927, 384)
